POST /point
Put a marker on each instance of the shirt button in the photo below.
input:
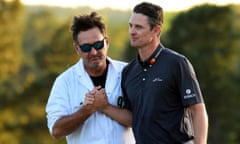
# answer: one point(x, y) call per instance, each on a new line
point(145, 70)
point(143, 79)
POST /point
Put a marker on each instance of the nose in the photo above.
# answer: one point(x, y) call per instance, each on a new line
point(131, 31)
point(93, 51)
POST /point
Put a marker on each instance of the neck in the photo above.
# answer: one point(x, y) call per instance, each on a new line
point(147, 51)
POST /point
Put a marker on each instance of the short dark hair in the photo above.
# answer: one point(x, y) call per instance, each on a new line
point(152, 11)
point(86, 22)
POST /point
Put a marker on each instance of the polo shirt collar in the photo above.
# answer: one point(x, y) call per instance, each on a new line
point(151, 60)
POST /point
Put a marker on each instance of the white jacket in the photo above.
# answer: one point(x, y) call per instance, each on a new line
point(67, 96)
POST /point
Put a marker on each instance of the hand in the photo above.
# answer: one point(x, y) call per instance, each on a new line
point(96, 98)
point(90, 97)
point(101, 100)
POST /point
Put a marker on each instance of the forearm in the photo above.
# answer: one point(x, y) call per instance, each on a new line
point(200, 124)
point(200, 130)
point(123, 116)
point(67, 124)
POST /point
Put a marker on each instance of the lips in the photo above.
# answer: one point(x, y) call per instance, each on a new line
point(94, 58)
point(133, 39)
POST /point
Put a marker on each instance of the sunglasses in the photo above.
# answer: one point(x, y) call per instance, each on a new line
point(87, 47)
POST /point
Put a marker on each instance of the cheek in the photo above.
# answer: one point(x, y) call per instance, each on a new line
point(103, 55)
point(104, 50)
point(84, 56)
point(148, 36)
point(145, 36)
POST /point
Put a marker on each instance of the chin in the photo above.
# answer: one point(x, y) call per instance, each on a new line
point(134, 45)
point(96, 64)
point(93, 66)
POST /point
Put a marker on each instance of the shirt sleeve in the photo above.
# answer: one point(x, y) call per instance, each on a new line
point(126, 101)
point(188, 84)
point(57, 105)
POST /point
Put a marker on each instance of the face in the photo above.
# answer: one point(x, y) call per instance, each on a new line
point(140, 32)
point(96, 57)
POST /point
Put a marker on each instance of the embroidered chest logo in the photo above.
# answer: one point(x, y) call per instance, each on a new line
point(157, 79)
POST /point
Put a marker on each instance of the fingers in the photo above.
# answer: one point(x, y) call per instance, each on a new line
point(95, 89)
point(89, 99)
point(100, 93)
point(93, 92)
point(97, 98)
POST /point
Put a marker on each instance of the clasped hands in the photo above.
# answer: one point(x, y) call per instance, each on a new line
point(96, 98)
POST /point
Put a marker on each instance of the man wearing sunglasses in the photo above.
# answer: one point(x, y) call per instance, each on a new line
point(85, 102)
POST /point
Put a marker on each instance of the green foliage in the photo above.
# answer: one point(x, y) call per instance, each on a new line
point(208, 36)
point(39, 23)
point(117, 26)
point(10, 35)
point(23, 118)
point(59, 54)
point(130, 53)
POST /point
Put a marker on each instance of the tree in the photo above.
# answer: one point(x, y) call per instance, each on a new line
point(10, 35)
point(59, 54)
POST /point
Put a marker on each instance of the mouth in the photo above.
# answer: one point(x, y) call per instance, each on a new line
point(133, 40)
point(94, 59)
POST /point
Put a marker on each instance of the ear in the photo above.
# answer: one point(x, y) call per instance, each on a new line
point(107, 40)
point(75, 46)
point(158, 29)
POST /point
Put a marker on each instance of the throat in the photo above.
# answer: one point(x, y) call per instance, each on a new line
point(100, 77)
point(99, 80)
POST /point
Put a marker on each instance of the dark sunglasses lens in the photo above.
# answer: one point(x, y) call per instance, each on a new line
point(85, 48)
point(98, 45)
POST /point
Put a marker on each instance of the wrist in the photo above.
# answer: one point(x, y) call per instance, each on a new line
point(105, 108)
point(89, 108)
